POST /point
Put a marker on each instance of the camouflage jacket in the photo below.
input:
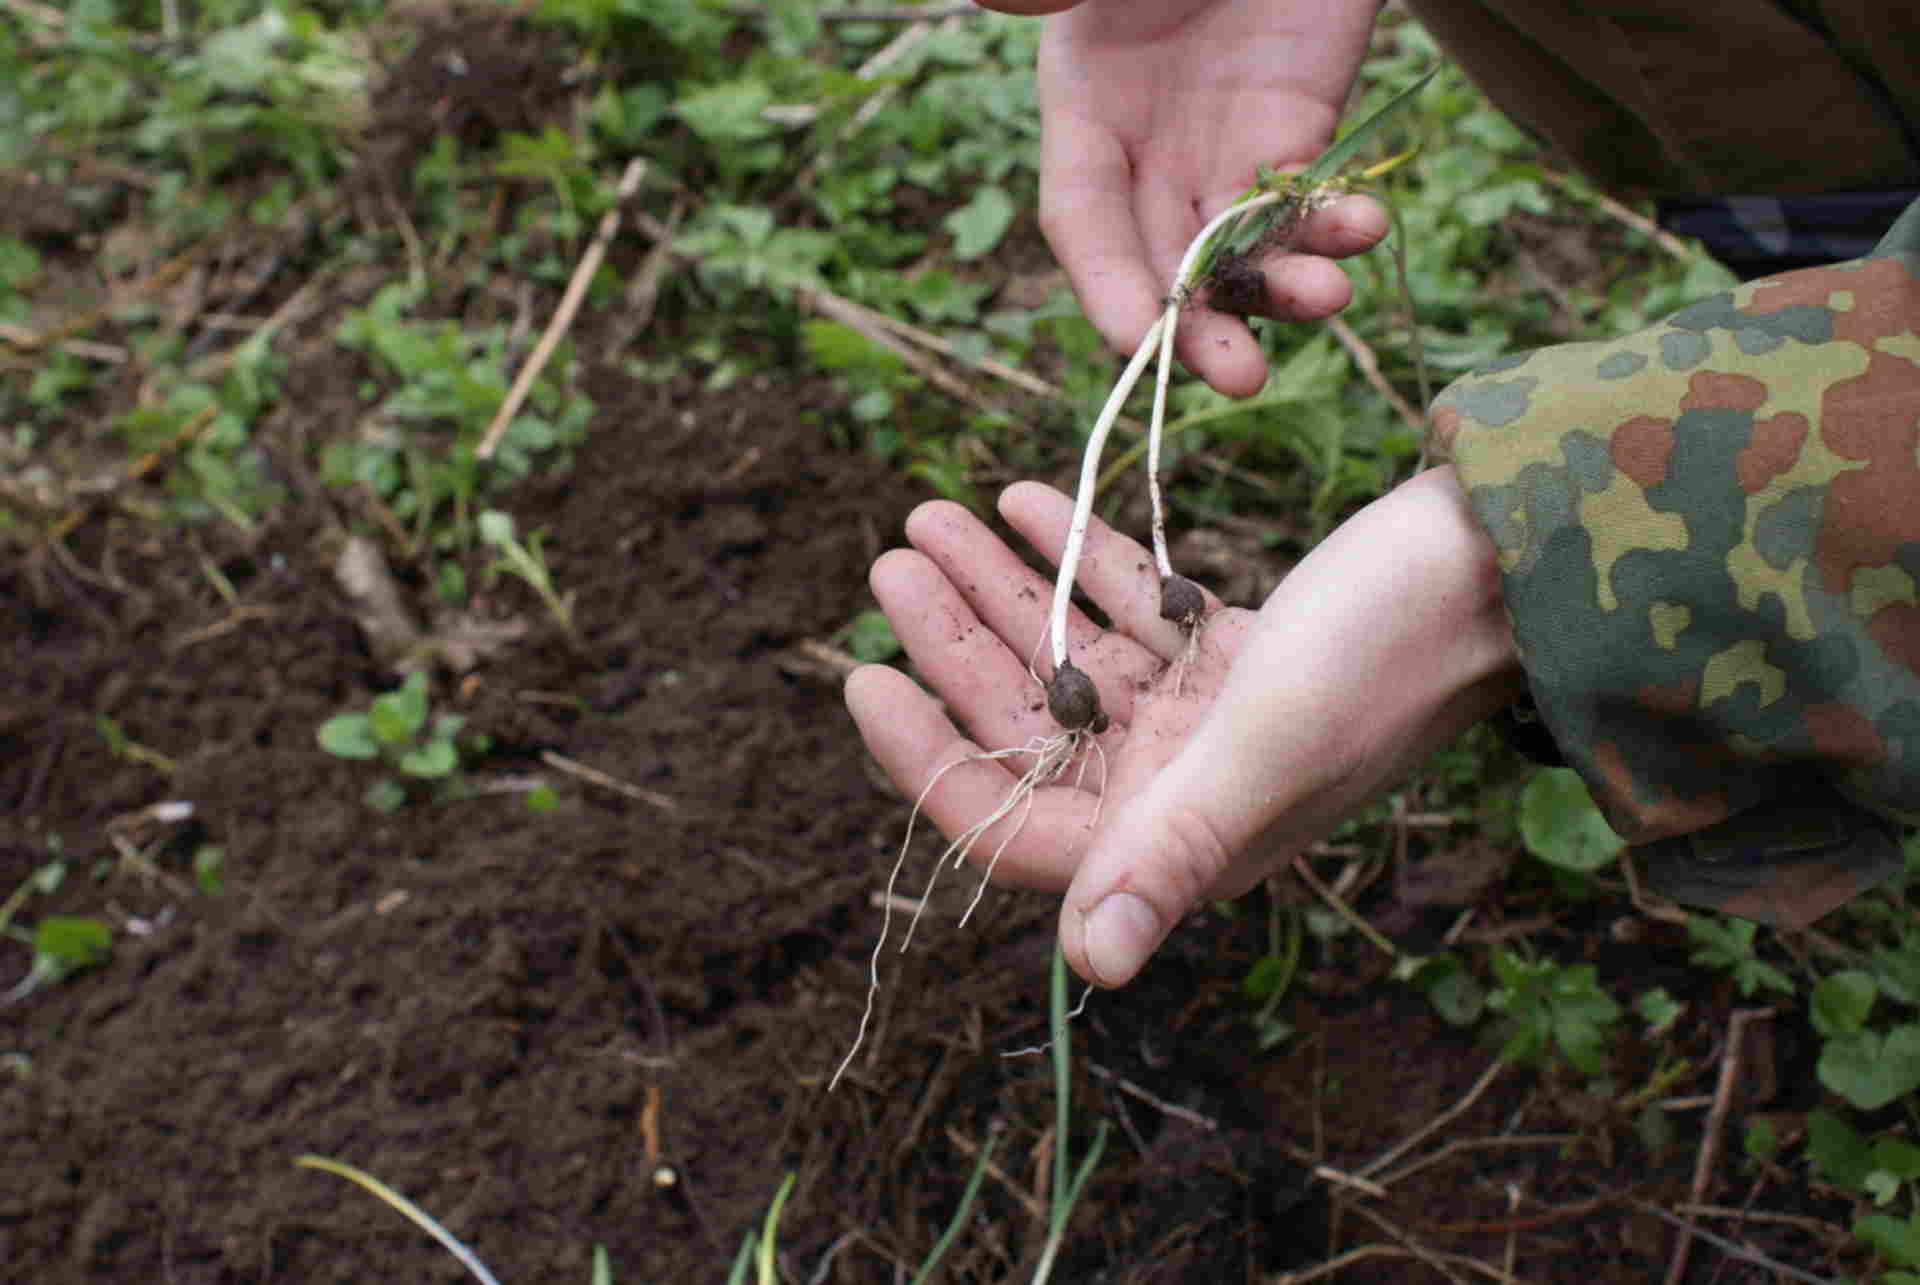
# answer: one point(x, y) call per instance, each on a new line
point(1709, 534)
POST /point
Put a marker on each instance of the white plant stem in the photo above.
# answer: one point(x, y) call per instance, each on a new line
point(1156, 427)
point(1159, 336)
point(1089, 477)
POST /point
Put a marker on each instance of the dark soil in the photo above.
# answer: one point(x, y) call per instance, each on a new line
point(613, 1023)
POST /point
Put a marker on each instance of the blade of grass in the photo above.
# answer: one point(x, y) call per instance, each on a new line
point(947, 1237)
point(769, 1234)
point(418, 1216)
point(1067, 1184)
point(1328, 163)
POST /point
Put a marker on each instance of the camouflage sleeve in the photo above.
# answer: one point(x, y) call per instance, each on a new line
point(1709, 535)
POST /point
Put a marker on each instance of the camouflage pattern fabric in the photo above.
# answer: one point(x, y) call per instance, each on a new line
point(1709, 535)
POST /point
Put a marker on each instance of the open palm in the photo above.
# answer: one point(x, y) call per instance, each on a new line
point(971, 613)
point(1154, 118)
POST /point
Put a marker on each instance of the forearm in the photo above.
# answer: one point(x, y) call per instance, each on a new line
point(1705, 534)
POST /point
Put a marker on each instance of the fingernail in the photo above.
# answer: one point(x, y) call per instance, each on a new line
point(1121, 932)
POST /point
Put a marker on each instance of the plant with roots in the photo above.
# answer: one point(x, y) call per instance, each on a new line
point(1217, 266)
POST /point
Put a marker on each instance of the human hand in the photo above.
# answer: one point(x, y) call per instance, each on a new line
point(1154, 116)
point(1219, 764)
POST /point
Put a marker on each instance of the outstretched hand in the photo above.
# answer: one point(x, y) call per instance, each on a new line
point(1223, 758)
point(1155, 115)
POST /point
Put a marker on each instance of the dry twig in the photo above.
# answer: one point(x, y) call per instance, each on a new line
point(1438, 1122)
point(563, 315)
point(1709, 1153)
point(594, 776)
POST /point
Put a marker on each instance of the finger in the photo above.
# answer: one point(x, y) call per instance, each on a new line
point(1216, 347)
point(1014, 601)
point(1116, 572)
point(1087, 215)
point(925, 755)
point(1348, 226)
point(964, 660)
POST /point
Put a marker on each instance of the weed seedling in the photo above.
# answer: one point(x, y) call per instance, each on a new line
point(527, 562)
point(395, 729)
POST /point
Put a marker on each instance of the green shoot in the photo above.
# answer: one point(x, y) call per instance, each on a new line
point(527, 562)
point(62, 945)
point(1067, 1182)
point(960, 1213)
point(412, 1212)
point(395, 729)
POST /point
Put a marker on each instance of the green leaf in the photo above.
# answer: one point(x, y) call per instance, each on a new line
point(543, 798)
point(496, 528)
point(385, 795)
point(727, 113)
point(1898, 1239)
point(209, 863)
point(870, 638)
point(348, 736)
point(1898, 1157)
point(1266, 975)
point(1842, 1003)
point(1837, 1150)
point(978, 225)
point(1330, 161)
point(1560, 824)
point(1762, 1142)
point(835, 346)
point(397, 716)
point(432, 760)
point(1659, 1009)
point(65, 944)
point(1871, 1070)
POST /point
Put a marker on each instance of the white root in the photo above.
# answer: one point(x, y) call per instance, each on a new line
point(1051, 756)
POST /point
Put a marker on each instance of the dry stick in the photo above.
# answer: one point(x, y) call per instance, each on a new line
point(1815, 1227)
point(1709, 1153)
point(564, 314)
point(860, 320)
point(1672, 244)
point(594, 776)
point(1439, 1122)
point(1178, 1112)
point(1365, 1252)
point(1431, 1257)
point(1476, 1144)
point(1369, 367)
point(1731, 1248)
point(643, 292)
point(1341, 908)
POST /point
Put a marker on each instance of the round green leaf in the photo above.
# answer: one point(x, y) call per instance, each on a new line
point(1842, 1002)
point(1560, 824)
point(434, 759)
point(347, 736)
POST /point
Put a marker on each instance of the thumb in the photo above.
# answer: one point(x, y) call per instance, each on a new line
point(1150, 863)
